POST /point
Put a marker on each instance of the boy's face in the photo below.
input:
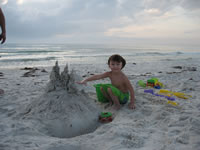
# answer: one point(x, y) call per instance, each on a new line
point(115, 66)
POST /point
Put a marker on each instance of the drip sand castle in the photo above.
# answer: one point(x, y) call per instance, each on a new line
point(64, 110)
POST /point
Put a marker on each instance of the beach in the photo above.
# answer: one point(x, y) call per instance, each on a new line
point(38, 112)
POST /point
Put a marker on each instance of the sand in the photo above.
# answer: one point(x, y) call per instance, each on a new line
point(41, 109)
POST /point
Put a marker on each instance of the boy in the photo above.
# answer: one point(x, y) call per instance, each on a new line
point(118, 91)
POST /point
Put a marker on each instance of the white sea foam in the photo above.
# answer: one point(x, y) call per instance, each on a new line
point(14, 55)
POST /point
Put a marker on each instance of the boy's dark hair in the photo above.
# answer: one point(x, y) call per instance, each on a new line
point(117, 58)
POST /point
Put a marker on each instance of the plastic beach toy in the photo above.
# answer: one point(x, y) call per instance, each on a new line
point(165, 91)
point(105, 117)
point(169, 97)
point(149, 91)
point(106, 114)
point(177, 94)
point(172, 103)
point(181, 95)
point(142, 83)
point(153, 82)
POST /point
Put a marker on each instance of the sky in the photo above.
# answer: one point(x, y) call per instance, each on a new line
point(153, 22)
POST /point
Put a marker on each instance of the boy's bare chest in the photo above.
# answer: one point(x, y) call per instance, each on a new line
point(118, 80)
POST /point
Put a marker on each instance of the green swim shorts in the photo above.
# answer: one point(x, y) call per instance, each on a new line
point(123, 97)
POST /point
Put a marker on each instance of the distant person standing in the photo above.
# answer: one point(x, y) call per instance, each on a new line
point(3, 27)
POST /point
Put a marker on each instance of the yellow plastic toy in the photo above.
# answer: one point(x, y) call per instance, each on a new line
point(182, 95)
point(177, 94)
point(172, 103)
point(165, 91)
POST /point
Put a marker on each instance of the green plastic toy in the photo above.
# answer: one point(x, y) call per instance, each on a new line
point(106, 114)
point(105, 117)
point(142, 83)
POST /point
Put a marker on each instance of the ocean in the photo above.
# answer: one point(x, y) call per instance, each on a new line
point(30, 55)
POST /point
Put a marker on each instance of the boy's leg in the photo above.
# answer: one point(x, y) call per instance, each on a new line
point(114, 98)
point(105, 94)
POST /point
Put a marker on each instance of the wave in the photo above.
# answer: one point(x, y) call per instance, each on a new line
point(28, 59)
point(30, 52)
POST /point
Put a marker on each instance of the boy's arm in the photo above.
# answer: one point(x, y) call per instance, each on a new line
point(95, 77)
point(132, 94)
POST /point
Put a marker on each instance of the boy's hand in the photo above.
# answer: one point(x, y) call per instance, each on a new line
point(131, 105)
point(82, 82)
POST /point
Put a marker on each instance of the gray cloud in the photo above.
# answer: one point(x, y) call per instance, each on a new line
point(46, 19)
point(38, 20)
point(191, 4)
point(166, 5)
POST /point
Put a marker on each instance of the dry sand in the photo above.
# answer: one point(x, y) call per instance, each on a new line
point(38, 113)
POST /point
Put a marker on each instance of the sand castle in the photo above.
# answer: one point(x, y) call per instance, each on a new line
point(64, 110)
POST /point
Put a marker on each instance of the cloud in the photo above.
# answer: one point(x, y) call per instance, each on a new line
point(166, 29)
point(3, 2)
point(152, 11)
point(56, 17)
point(101, 19)
point(154, 24)
point(20, 2)
point(190, 4)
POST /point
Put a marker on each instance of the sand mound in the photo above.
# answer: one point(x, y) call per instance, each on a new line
point(64, 110)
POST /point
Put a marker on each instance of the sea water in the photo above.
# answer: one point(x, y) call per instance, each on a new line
point(30, 55)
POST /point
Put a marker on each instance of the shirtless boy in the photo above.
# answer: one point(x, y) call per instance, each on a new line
point(120, 88)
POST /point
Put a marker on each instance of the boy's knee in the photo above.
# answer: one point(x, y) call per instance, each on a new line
point(109, 90)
